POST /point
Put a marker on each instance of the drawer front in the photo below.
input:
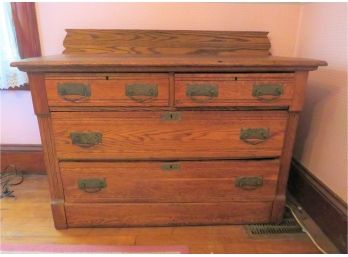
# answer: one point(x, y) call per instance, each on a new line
point(184, 181)
point(234, 89)
point(162, 214)
point(166, 135)
point(130, 90)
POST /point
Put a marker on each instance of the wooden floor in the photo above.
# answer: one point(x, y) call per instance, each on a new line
point(27, 219)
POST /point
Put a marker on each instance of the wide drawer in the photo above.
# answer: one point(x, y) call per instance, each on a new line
point(120, 90)
point(269, 89)
point(170, 136)
point(184, 181)
point(165, 214)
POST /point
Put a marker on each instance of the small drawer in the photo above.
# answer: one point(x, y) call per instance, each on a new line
point(271, 89)
point(184, 181)
point(113, 90)
point(168, 135)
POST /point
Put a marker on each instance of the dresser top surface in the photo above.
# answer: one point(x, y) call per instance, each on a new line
point(89, 50)
point(163, 63)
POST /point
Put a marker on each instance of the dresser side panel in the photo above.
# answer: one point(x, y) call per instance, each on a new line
point(290, 136)
point(44, 119)
point(285, 161)
point(301, 78)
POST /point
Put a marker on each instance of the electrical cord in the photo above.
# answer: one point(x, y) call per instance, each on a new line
point(305, 230)
point(10, 177)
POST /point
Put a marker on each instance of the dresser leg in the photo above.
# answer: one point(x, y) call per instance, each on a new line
point(58, 213)
point(278, 209)
point(285, 160)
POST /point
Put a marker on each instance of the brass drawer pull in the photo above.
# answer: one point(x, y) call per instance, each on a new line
point(202, 93)
point(254, 136)
point(93, 185)
point(74, 92)
point(267, 92)
point(141, 92)
point(86, 139)
point(170, 166)
point(249, 183)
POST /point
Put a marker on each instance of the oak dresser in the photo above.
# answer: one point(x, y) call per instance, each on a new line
point(154, 128)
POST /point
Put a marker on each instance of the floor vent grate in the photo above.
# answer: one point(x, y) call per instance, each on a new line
point(289, 225)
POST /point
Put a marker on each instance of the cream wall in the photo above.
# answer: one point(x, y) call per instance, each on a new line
point(18, 122)
point(307, 30)
point(321, 144)
point(281, 20)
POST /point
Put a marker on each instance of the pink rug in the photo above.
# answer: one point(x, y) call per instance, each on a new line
point(52, 248)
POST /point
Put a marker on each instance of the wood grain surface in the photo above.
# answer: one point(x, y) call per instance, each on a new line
point(146, 136)
point(28, 218)
point(285, 161)
point(50, 157)
point(233, 89)
point(164, 214)
point(110, 90)
point(198, 181)
point(162, 63)
point(173, 42)
point(301, 78)
point(204, 138)
point(165, 51)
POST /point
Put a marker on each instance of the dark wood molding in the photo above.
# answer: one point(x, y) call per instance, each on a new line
point(324, 206)
point(27, 33)
point(27, 158)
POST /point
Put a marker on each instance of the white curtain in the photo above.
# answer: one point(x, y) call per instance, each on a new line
point(9, 76)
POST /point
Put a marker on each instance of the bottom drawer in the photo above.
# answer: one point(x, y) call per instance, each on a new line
point(163, 214)
point(170, 182)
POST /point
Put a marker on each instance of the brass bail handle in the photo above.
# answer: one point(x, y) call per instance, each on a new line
point(74, 92)
point(254, 136)
point(249, 183)
point(91, 185)
point(86, 139)
point(267, 92)
point(202, 93)
point(92, 190)
point(141, 92)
